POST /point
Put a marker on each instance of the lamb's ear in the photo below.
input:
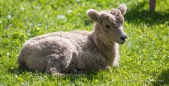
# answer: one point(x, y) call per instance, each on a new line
point(122, 8)
point(93, 15)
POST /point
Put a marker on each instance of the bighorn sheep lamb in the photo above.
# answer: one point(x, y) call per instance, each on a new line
point(78, 51)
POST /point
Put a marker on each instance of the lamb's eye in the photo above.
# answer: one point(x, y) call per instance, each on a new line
point(107, 26)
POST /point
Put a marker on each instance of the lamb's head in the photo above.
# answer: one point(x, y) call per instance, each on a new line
point(109, 24)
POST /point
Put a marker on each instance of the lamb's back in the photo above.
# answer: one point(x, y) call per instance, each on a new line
point(35, 50)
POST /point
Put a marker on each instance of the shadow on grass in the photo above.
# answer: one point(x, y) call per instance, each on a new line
point(163, 78)
point(17, 70)
point(21, 71)
point(73, 78)
point(138, 15)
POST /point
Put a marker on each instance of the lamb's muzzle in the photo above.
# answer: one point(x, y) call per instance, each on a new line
point(123, 38)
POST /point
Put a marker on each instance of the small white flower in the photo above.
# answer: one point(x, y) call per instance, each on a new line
point(61, 16)
point(9, 16)
point(69, 11)
point(22, 8)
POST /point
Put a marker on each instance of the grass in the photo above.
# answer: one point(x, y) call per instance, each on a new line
point(144, 58)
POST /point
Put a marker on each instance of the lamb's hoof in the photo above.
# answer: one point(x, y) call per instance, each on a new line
point(73, 71)
point(116, 64)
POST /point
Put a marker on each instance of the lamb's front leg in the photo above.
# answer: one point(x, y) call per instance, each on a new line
point(116, 58)
point(116, 61)
point(75, 71)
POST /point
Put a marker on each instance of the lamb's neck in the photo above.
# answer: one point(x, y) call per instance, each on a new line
point(106, 48)
point(102, 45)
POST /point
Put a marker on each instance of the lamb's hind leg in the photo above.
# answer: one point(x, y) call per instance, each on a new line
point(21, 61)
point(57, 64)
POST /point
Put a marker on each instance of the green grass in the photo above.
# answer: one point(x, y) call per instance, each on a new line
point(144, 58)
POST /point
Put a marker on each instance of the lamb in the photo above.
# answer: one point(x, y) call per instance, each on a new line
point(78, 52)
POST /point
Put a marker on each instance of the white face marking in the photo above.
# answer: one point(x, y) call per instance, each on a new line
point(122, 31)
point(121, 27)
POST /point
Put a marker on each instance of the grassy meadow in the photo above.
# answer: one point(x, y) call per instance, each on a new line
point(144, 57)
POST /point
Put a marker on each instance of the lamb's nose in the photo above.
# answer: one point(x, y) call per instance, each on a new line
point(123, 38)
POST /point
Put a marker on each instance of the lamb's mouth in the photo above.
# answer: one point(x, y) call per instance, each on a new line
point(121, 42)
